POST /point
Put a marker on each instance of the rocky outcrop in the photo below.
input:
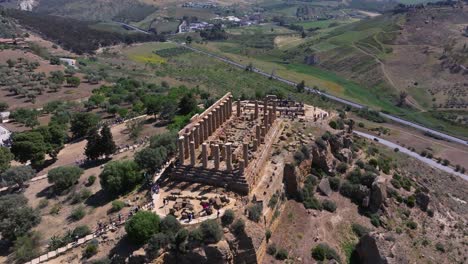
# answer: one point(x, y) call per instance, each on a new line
point(291, 179)
point(322, 158)
point(215, 253)
point(324, 187)
point(378, 194)
point(380, 248)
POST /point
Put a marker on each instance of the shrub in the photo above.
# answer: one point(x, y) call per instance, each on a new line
point(211, 231)
point(255, 212)
point(64, 177)
point(156, 243)
point(81, 231)
point(170, 225)
point(91, 180)
point(342, 167)
point(334, 183)
point(55, 210)
point(267, 235)
point(395, 183)
point(333, 124)
point(375, 220)
point(91, 249)
point(228, 217)
point(412, 225)
point(238, 226)
point(445, 162)
point(329, 205)
point(410, 201)
point(359, 230)
point(117, 205)
point(78, 213)
point(321, 143)
point(142, 226)
point(273, 201)
point(271, 249)
point(360, 124)
point(27, 247)
point(43, 203)
point(312, 203)
point(360, 164)
point(323, 251)
point(281, 254)
point(440, 247)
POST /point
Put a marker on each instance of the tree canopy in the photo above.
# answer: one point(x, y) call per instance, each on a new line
point(142, 226)
point(119, 177)
point(29, 146)
point(5, 158)
point(64, 177)
point(16, 218)
point(82, 123)
point(17, 175)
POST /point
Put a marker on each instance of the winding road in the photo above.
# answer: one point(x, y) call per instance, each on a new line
point(415, 155)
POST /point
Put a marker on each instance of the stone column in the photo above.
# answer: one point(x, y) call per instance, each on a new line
point(270, 117)
point(257, 132)
point(207, 129)
point(256, 109)
point(274, 109)
point(238, 107)
point(265, 106)
point(241, 166)
point(215, 119)
point(222, 150)
point(265, 119)
point(263, 129)
point(255, 144)
point(205, 155)
point(227, 146)
point(246, 153)
point(192, 153)
point(216, 157)
point(186, 146)
point(196, 139)
point(191, 137)
point(210, 123)
point(181, 150)
point(201, 131)
point(221, 114)
point(230, 106)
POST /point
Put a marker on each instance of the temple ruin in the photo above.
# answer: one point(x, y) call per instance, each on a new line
point(228, 144)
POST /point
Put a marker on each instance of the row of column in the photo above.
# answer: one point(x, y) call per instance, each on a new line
point(191, 140)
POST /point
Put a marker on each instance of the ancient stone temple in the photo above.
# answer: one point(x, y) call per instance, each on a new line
point(227, 146)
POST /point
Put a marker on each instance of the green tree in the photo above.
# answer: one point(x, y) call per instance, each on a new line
point(3, 106)
point(82, 123)
point(54, 61)
point(28, 117)
point(27, 247)
point(18, 175)
point(29, 146)
point(92, 150)
point(188, 40)
point(54, 136)
point(57, 77)
point(150, 159)
point(73, 81)
point(153, 105)
point(64, 177)
point(170, 225)
point(211, 230)
point(300, 87)
point(120, 176)
point(187, 104)
point(142, 226)
point(16, 218)
point(107, 144)
point(5, 158)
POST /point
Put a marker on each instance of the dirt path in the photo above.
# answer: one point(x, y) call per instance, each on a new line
point(410, 100)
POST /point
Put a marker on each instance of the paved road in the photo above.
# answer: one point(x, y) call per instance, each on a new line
point(336, 99)
point(133, 27)
point(415, 155)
